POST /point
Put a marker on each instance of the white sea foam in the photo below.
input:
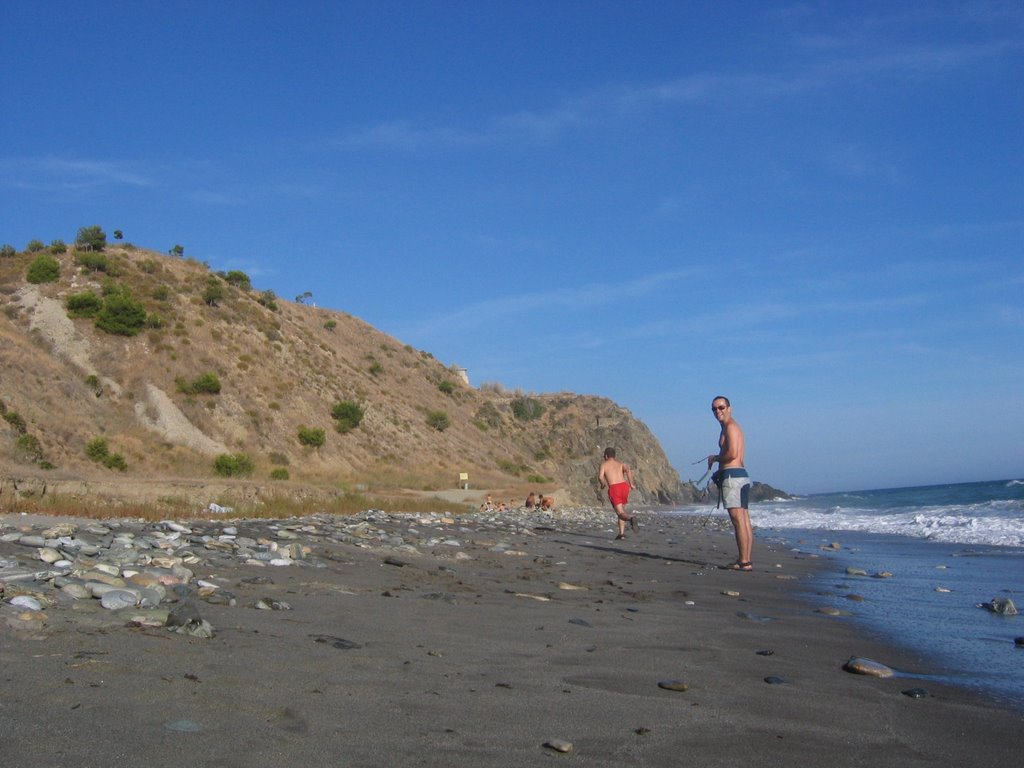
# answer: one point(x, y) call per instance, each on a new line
point(994, 523)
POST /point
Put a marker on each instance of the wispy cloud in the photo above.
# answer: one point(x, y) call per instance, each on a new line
point(56, 173)
point(570, 299)
point(538, 127)
point(858, 162)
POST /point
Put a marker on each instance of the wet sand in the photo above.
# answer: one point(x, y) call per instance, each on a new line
point(390, 659)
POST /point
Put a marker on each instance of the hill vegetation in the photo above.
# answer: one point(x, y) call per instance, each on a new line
point(124, 364)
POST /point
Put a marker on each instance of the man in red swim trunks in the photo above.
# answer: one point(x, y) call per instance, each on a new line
point(619, 479)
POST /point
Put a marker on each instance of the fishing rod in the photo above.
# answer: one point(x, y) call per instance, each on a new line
point(697, 486)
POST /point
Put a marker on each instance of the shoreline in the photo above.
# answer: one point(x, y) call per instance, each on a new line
point(475, 640)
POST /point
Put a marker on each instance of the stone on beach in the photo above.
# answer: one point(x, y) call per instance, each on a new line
point(559, 745)
point(862, 666)
point(673, 685)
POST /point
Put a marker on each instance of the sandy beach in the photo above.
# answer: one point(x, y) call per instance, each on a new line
point(478, 640)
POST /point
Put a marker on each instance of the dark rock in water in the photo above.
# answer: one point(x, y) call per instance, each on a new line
point(1019, 642)
point(673, 685)
point(916, 693)
point(337, 642)
point(395, 561)
point(772, 680)
point(580, 622)
point(765, 652)
point(1002, 605)
point(861, 666)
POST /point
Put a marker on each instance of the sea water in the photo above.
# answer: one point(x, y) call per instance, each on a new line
point(950, 549)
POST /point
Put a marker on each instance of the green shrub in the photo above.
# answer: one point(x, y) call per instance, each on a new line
point(376, 369)
point(116, 461)
point(312, 436)
point(30, 446)
point(16, 420)
point(330, 325)
point(111, 287)
point(536, 479)
point(268, 299)
point(91, 238)
point(347, 415)
point(161, 293)
point(446, 386)
point(438, 420)
point(527, 408)
point(238, 279)
point(43, 269)
point(206, 384)
point(58, 246)
point(279, 474)
point(97, 449)
point(92, 261)
point(214, 291)
point(232, 464)
point(85, 304)
point(7, 251)
point(149, 266)
point(34, 246)
point(489, 415)
point(512, 467)
point(121, 315)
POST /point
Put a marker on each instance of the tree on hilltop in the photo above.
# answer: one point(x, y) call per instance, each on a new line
point(91, 239)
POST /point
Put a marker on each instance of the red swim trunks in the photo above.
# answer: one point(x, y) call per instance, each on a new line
point(618, 493)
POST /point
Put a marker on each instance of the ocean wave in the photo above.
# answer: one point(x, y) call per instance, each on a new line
point(992, 523)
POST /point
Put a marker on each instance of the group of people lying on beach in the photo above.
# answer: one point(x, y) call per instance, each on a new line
point(533, 501)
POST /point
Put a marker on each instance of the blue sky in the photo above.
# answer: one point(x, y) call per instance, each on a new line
point(814, 208)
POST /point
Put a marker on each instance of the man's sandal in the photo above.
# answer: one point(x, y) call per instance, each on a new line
point(740, 565)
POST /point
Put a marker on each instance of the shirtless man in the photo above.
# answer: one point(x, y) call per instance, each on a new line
point(733, 480)
point(619, 479)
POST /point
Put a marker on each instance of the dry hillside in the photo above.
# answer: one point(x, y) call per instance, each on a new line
point(281, 367)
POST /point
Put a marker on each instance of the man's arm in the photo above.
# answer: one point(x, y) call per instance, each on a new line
point(629, 474)
point(600, 476)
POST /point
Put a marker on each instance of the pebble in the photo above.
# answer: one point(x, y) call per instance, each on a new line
point(559, 745)
point(26, 602)
point(730, 593)
point(916, 693)
point(116, 599)
point(673, 685)
point(861, 666)
point(773, 680)
point(851, 571)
